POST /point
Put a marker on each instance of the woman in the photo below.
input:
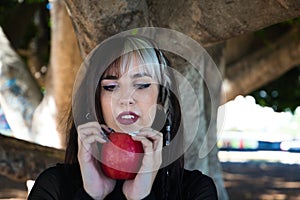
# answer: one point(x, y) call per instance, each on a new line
point(136, 93)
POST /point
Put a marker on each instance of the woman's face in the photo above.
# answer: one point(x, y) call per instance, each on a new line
point(129, 102)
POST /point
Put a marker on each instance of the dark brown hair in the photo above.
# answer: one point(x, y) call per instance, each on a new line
point(168, 182)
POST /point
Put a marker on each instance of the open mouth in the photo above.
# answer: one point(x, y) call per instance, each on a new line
point(127, 118)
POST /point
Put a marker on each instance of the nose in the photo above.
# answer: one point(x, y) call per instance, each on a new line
point(127, 98)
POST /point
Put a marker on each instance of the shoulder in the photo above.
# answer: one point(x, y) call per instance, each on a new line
point(55, 172)
point(49, 174)
point(59, 173)
point(198, 186)
point(53, 180)
point(196, 176)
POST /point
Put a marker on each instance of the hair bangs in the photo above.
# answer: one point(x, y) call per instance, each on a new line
point(138, 54)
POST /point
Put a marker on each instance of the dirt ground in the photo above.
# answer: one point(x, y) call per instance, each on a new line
point(262, 181)
point(244, 181)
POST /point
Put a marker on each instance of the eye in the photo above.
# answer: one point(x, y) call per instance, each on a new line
point(142, 85)
point(110, 88)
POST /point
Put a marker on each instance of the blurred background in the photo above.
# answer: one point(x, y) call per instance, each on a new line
point(257, 142)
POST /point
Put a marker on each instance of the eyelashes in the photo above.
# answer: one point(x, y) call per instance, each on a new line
point(114, 87)
point(110, 88)
point(142, 85)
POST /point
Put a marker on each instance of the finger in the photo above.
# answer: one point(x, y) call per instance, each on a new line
point(94, 138)
point(155, 136)
point(94, 124)
point(147, 144)
point(106, 128)
point(89, 128)
point(146, 129)
point(90, 125)
point(152, 157)
point(88, 141)
point(90, 132)
point(147, 132)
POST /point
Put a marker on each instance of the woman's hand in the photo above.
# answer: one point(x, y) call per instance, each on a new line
point(95, 183)
point(141, 185)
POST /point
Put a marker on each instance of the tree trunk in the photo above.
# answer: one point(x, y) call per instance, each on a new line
point(203, 152)
point(65, 62)
point(51, 115)
point(19, 94)
point(197, 19)
point(212, 99)
point(92, 28)
point(208, 22)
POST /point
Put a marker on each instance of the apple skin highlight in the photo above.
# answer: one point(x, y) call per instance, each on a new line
point(121, 156)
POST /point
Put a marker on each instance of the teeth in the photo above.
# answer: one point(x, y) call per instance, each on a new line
point(127, 117)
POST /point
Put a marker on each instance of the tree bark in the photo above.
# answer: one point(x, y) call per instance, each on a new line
point(19, 92)
point(21, 160)
point(212, 100)
point(65, 62)
point(92, 28)
point(208, 22)
point(51, 115)
point(263, 66)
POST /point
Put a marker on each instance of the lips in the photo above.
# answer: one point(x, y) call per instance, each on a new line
point(127, 118)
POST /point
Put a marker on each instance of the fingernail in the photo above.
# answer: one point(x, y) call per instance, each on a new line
point(104, 136)
point(134, 133)
point(111, 130)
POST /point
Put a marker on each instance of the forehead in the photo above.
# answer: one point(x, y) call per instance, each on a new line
point(135, 63)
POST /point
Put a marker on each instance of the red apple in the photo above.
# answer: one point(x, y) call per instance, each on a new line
point(121, 156)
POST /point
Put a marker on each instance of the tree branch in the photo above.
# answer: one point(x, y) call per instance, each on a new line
point(208, 22)
point(263, 66)
point(19, 91)
point(21, 160)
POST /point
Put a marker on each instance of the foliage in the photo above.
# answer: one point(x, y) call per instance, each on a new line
point(9, 8)
point(282, 94)
point(26, 25)
point(5, 8)
point(7, 5)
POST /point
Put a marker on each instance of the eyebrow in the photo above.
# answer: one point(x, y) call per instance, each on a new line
point(139, 75)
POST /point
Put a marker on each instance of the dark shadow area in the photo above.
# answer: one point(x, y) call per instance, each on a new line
point(262, 181)
point(10, 189)
point(247, 181)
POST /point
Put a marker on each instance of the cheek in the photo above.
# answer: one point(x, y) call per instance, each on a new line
point(149, 96)
point(105, 106)
point(150, 100)
point(155, 95)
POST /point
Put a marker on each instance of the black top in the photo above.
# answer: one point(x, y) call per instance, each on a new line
point(64, 182)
